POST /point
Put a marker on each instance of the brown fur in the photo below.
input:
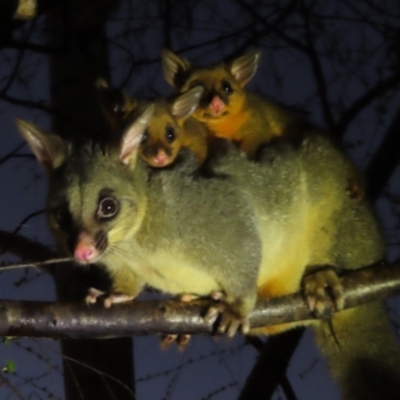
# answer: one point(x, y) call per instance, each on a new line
point(247, 118)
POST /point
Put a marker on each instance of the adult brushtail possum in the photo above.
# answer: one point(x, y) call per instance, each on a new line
point(231, 111)
point(255, 232)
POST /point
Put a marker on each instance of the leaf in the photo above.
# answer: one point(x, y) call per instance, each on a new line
point(9, 367)
point(7, 340)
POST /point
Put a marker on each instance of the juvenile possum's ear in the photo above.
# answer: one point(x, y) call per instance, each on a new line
point(115, 103)
point(133, 136)
point(176, 68)
point(48, 148)
point(245, 67)
point(184, 105)
point(112, 100)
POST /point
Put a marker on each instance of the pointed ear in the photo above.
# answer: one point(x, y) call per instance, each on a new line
point(48, 148)
point(245, 67)
point(176, 68)
point(133, 136)
point(115, 103)
point(184, 105)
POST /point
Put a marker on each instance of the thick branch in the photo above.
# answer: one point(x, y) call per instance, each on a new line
point(75, 320)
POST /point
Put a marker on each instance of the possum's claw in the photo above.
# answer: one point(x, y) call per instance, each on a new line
point(94, 295)
point(183, 339)
point(322, 288)
point(226, 320)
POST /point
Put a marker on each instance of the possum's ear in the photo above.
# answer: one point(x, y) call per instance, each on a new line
point(245, 67)
point(115, 103)
point(48, 148)
point(176, 69)
point(184, 105)
point(133, 135)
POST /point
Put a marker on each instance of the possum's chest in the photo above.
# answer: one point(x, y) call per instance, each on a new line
point(175, 274)
point(171, 273)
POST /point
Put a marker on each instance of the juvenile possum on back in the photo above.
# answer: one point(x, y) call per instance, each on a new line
point(170, 130)
point(231, 111)
point(286, 215)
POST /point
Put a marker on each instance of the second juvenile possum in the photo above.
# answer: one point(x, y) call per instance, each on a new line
point(170, 129)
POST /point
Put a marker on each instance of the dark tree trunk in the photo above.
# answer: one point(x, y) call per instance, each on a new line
point(77, 28)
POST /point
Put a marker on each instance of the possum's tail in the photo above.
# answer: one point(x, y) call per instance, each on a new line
point(362, 353)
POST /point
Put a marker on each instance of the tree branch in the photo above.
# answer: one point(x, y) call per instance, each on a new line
point(39, 105)
point(317, 70)
point(27, 249)
point(378, 90)
point(38, 48)
point(76, 320)
point(272, 364)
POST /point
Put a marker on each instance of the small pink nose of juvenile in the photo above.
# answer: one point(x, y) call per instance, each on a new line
point(217, 105)
point(161, 159)
point(85, 250)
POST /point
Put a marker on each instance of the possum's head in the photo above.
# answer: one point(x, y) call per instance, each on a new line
point(96, 197)
point(223, 83)
point(166, 133)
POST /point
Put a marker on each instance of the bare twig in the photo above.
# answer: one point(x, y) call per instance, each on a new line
point(28, 250)
point(376, 92)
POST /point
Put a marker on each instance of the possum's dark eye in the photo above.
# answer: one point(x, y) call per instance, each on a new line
point(170, 134)
point(63, 218)
point(58, 214)
point(226, 87)
point(108, 208)
point(118, 109)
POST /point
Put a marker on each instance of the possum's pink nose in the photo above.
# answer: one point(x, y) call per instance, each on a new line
point(161, 159)
point(85, 250)
point(84, 254)
point(217, 105)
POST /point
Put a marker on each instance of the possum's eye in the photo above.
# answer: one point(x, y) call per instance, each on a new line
point(62, 218)
point(118, 109)
point(108, 208)
point(170, 134)
point(58, 214)
point(226, 87)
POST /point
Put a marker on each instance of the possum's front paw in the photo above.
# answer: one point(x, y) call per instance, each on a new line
point(183, 339)
point(94, 295)
point(321, 289)
point(227, 320)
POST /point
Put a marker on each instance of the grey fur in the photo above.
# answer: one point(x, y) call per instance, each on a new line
point(249, 227)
